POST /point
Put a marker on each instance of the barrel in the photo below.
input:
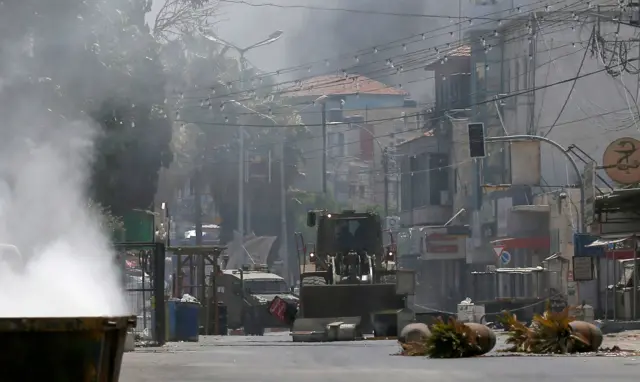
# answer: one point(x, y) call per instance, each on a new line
point(187, 321)
point(65, 349)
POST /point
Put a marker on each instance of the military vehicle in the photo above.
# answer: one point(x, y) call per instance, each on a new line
point(247, 293)
point(352, 279)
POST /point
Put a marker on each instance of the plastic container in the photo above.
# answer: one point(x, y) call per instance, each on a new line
point(187, 321)
point(63, 349)
point(171, 319)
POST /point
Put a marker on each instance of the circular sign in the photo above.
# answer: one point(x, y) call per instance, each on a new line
point(621, 161)
point(505, 257)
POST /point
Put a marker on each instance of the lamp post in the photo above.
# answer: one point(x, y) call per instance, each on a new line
point(283, 191)
point(273, 37)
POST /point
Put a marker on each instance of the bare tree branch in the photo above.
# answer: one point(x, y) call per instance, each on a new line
point(178, 17)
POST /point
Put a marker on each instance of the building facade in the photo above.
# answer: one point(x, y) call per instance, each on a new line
point(365, 120)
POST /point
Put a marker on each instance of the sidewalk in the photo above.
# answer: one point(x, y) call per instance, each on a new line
point(629, 340)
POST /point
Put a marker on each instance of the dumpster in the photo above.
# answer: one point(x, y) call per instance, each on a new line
point(63, 348)
point(187, 321)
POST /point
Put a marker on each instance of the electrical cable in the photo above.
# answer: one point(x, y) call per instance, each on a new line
point(335, 81)
point(202, 104)
point(573, 85)
point(394, 44)
point(346, 10)
point(497, 98)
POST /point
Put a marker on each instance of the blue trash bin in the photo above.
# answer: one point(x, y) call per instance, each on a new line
point(187, 321)
point(171, 319)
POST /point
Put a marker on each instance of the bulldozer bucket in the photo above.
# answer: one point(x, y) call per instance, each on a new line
point(326, 329)
point(64, 349)
point(363, 300)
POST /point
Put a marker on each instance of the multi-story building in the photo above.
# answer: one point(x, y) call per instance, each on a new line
point(365, 119)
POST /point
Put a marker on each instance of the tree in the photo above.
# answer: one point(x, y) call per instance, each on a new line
point(203, 85)
point(92, 61)
point(177, 18)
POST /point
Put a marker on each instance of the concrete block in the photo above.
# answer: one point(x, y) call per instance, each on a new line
point(129, 342)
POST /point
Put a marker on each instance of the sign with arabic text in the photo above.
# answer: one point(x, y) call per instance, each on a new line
point(621, 161)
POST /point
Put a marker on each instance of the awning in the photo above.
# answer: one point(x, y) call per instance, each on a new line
point(606, 243)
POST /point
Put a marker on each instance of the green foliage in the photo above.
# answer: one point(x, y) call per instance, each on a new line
point(518, 333)
point(109, 222)
point(93, 61)
point(549, 333)
point(452, 339)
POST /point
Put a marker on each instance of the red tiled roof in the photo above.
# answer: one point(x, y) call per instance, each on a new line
point(461, 51)
point(340, 85)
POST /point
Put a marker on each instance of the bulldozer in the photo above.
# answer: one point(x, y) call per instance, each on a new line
point(352, 283)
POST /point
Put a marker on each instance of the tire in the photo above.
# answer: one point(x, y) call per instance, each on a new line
point(313, 280)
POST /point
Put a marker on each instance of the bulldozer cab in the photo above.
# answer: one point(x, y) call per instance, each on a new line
point(343, 233)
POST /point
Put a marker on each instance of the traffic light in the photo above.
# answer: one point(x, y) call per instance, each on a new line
point(476, 140)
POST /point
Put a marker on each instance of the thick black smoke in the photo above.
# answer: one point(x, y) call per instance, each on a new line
point(326, 34)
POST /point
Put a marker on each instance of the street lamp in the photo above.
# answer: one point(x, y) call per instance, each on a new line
point(283, 190)
point(322, 100)
point(273, 37)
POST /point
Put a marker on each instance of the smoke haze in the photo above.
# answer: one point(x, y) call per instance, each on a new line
point(68, 268)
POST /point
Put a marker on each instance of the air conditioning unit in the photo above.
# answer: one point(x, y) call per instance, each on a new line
point(445, 198)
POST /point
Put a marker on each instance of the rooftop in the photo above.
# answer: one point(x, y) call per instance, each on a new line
point(340, 85)
point(459, 52)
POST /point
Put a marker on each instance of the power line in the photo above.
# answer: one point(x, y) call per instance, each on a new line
point(403, 42)
point(205, 100)
point(573, 85)
point(498, 98)
point(432, 53)
point(348, 10)
point(235, 162)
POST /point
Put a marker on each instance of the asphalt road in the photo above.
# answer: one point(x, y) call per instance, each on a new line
point(273, 358)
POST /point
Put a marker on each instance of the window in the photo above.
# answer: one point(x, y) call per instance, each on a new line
point(419, 177)
point(525, 73)
point(266, 286)
point(352, 191)
point(405, 183)
point(335, 144)
point(516, 79)
point(361, 191)
point(438, 177)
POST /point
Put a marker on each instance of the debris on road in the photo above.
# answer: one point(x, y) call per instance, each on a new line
point(451, 339)
point(551, 333)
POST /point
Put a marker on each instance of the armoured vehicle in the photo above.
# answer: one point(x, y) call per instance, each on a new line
point(247, 293)
point(352, 280)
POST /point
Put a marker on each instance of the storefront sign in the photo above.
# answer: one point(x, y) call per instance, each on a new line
point(438, 244)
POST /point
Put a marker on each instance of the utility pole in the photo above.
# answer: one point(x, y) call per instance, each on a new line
point(385, 164)
point(273, 37)
point(241, 161)
point(283, 216)
point(635, 277)
point(324, 147)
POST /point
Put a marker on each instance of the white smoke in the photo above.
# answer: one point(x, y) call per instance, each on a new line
point(69, 268)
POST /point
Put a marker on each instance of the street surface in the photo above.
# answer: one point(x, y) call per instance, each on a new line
point(273, 358)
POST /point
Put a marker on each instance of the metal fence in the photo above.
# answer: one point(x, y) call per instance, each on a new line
point(143, 277)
